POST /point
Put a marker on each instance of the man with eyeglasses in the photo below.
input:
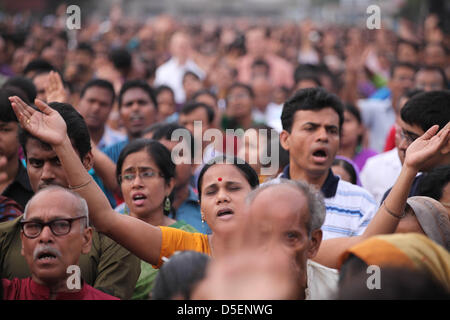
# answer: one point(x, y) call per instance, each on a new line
point(107, 266)
point(55, 231)
point(419, 114)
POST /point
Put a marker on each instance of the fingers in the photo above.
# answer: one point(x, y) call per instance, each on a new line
point(430, 132)
point(42, 106)
point(22, 110)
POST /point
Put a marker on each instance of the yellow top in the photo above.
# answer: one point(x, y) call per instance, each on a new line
point(178, 240)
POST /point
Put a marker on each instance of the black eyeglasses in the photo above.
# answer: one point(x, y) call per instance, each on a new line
point(59, 227)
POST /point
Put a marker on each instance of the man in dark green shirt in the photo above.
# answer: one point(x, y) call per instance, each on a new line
point(108, 266)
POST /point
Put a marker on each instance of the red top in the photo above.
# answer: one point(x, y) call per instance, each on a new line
point(390, 140)
point(27, 289)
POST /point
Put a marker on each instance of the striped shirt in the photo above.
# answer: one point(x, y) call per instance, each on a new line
point(349, 208)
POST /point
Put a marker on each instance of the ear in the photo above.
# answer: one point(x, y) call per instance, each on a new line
point(88, 161)
point(285, 139)
point(87, 240)
point(446, 148)
point(316, 240)
point(170, 186)
point(22, 237)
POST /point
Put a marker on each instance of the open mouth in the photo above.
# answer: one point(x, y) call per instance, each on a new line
point(46, 257)
point(320, 155)
point(138, 199)
point(225, 212)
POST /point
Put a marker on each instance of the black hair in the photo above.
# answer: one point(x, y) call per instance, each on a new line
point(395, 284)
point(7, 113)
point(348, 168)
point(76, 129)
point(261, 63)
point(433, 182)
point(120, 58)
point(427, 109)
point(141, 84)
point(163, 88)
point(243, 86)
point(178, 276)
point(102, 83)
point(412, 44)
point(38, 65)
point(193, 105)
point(204, 91)
point(399, 64)
point(166, 130)
point(249, 173)
point(314, 99)
point(85, 46)
point(152, 128)
point(25, 84)
point(159, 154)
point(192, 74)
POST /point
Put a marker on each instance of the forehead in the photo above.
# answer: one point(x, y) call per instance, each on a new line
point(416, 129)
point(139, 159)
point(228, 172)
point(98, 93)
point(135, 94)
point(324, 116)
point(429, 74)
point(53, 203)
point(37, 149)
point(289, 210)
point(403, 70)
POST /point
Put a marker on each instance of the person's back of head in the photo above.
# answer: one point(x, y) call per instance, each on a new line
point(432, 183)
point(121, 59)
point(37, 66)
point(427, 109)
point(24, 84)
point(77, 129)
point(6, 111)
point(178, 277)
point(312, 99)
point(391, 284)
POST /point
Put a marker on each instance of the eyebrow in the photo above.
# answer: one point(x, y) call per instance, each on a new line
point(131, 169)
point(227, 183)
point(314, 124)
point(37, 219)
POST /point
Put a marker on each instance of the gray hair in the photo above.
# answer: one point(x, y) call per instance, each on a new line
point(81, 204)
point(316, 203)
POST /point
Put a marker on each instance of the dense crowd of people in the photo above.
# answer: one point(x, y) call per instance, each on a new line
point(227, 159)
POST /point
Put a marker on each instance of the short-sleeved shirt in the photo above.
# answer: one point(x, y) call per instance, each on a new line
point(178, 240)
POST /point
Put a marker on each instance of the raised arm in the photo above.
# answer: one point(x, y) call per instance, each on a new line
point(418, 155)
point(142, 239)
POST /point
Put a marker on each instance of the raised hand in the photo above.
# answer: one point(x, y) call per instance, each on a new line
point(45, 124)
point(421, 153)
point(54, 90)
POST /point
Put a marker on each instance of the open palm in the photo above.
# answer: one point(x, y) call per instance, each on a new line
point(45, 124)
point(424, 148)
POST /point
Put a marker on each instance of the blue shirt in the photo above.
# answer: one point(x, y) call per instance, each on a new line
point(114, 150)
point(189, 212)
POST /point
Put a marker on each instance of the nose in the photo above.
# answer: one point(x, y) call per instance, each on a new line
point(137, 182)
point(322, 134)
point(46, 235)
point(222, 196)
point(47, 172)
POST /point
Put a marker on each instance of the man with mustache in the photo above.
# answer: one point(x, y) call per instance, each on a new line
point(312, 121)
point(108, 266)
point(55, 231)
